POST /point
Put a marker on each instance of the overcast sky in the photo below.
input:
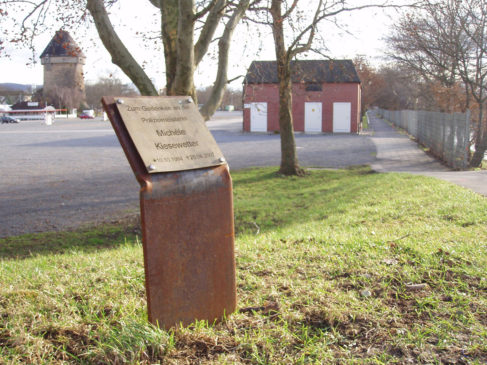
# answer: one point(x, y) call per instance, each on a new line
point(363, 36)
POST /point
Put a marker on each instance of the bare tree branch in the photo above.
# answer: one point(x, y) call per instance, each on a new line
point(208, 30)
point(221, 81)
point(235, 78)
point(205, 10)
point(290, 10)
point(120, 55)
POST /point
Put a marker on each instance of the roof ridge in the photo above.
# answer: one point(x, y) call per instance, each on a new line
point(327, 71)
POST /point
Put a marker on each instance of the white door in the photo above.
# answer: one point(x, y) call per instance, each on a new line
point(342, 117)
point(258, 117)
point(312, 117)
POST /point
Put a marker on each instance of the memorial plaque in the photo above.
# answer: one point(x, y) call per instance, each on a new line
point(169, 133)
point(186, 206)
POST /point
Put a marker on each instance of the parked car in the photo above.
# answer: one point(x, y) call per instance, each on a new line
point(86, 116)
point(7, 119)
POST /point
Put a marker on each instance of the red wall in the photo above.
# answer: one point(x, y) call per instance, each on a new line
point(331, 93)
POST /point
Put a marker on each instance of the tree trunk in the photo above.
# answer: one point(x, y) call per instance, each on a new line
point(289, 159)
point(479, 154)
point(177, 29)
point(183, 83)
point(169, 32)
point(220, 84)
point(480, 140)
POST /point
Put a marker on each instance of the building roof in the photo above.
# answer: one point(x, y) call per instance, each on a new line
point(307, 71)
point(62, 45)
point(26, 105)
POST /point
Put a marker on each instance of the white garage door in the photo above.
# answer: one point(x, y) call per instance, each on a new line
point(312, 117)
point(258, 117)
point(342, 117)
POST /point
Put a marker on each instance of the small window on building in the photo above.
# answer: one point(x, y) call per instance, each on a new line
point(314, 87)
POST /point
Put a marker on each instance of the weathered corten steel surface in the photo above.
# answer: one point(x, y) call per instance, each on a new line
point(188, 238)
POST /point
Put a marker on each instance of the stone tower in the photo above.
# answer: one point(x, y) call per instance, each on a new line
point(63, 64)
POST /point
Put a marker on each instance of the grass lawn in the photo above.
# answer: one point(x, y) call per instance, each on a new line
point(365, 122)
point(341, 266)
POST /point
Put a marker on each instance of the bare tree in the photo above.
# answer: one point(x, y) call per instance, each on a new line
point(389, 87)
point(107, 86)
point(181, 53)
point(230, 97)
point(218, 90)
point(294, 27)
point(187, 27)
point(474, 69)
point(370, 82)
point(447, 43)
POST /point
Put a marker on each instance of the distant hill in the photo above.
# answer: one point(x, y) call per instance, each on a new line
point(15, 88)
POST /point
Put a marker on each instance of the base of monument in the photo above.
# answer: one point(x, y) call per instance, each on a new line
point(188, 240)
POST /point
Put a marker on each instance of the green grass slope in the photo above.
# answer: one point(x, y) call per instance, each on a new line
point(341, 266)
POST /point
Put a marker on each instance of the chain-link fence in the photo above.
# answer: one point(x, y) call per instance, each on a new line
point(446, 135)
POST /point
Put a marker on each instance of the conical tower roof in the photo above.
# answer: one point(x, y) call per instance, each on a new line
point(62, 45)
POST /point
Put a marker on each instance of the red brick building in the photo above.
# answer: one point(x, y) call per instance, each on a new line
point(326, 97)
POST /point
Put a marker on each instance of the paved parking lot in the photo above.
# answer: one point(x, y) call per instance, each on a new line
point(74, 172)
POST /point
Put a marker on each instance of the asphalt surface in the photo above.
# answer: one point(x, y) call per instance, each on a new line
point(396, 152)
point(74, 172)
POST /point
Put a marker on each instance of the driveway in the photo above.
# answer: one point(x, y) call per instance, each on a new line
point(74, 172)
point(396, 152)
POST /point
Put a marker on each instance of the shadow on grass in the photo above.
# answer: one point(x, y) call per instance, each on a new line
point(265, 201)
point(252, 178)
point(88, 239)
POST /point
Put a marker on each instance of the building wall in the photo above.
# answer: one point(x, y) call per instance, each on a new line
point(268, 93)
point(64, 73)
point(330, 93)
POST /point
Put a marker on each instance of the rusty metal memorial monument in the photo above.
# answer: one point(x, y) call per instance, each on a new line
point(186, 207)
